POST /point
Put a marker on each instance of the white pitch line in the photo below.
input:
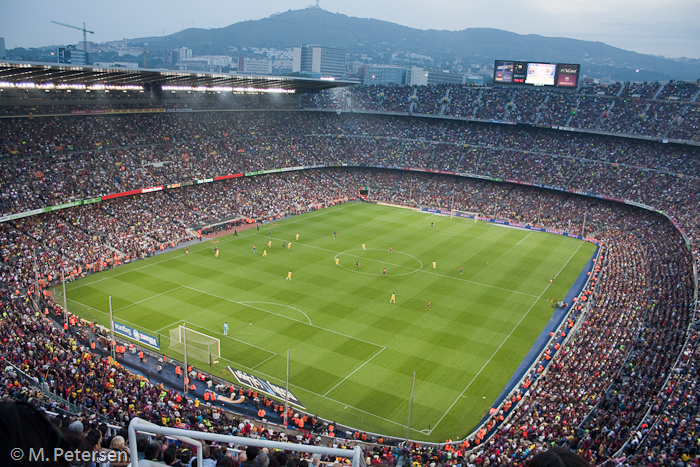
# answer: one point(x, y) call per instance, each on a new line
point(301, 217)
point(149, 298)
point(286, 317)
point(167, 326)
point(264, 361)
point(502, 344)
point(253, 307)
point(274, 378)
point(153, 262)
point(245, 302)
point(416, 270)
point(274, 354)
point(446, 233)
point(106, 313)
point(271, 377)
point(356, 370)
point(523, 239)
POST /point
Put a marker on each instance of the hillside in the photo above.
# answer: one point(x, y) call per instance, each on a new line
point(386, 42)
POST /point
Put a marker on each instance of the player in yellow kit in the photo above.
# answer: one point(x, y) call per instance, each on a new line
point(289, 276)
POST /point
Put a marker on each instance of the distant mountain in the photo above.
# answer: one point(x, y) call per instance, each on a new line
point(385, 43)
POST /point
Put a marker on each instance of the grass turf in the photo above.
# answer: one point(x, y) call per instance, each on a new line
point(352, 352)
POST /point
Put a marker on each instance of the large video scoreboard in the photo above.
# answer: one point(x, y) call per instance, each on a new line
point(561, 75)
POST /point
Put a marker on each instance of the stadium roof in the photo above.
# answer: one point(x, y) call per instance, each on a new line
point(22, 73)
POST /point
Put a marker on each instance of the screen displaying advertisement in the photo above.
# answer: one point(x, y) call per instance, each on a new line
point(519, 72)
point(567, 75)
point(503, 72)
point(561, 75)
point(540, 74)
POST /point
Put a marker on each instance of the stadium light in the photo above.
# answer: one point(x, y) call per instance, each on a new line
point(64, 86)
point(238, 89)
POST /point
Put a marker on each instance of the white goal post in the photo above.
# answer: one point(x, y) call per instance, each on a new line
point(458, 213)
point(199, 345)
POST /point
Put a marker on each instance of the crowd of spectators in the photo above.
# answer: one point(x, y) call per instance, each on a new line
point(644, 303)
point(659, 110)
point(605, 394)
point(183, 148)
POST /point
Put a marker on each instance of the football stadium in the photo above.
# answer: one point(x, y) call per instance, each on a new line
point(465, 275)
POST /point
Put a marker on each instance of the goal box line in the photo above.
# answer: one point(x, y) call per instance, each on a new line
point(196, 340)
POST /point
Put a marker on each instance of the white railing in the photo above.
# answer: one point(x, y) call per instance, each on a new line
point(193, 437)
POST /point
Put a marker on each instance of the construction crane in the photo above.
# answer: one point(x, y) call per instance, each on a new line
point(85, 31)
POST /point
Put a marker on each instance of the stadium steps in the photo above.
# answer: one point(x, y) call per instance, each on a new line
point(622, 88)
point(608, 109)
point(431, 160)
point(413, 99)
point(571, 116)
point(51, 397)
point(542, 106)
point(461, 159)
point(446, 100)
point(658, 91)
point(695, 96)
point(332, 179)
point(478, 102)
point(573, 177)
point(677, 120)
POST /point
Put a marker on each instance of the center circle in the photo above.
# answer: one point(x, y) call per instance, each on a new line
point(373, 261)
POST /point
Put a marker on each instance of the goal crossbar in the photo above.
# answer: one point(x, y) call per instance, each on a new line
point(199, 345)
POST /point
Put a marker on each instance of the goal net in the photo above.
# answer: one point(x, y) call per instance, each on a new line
point(465, 214)
point(200, 346)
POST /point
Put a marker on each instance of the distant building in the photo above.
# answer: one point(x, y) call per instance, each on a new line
point(3, 54)
point(78, 57)
point(174, 56)
point(71, 55)
point(253, 66)
point(384, 74)
point(221, 60)
point(417, 76)
point(171, 57)
point(63, 55)
point(282, 67)
point(319, 61)
point(183, 53)
point(198, 64)
point(474, 79)
point(445, 77)
point(130, 65)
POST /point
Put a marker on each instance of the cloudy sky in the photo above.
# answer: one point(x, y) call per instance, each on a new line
point(670, 28)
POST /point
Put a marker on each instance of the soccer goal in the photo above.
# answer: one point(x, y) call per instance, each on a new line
point(200, 346)
point(466, 214)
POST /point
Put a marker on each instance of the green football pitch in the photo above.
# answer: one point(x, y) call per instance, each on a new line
point(352, 352)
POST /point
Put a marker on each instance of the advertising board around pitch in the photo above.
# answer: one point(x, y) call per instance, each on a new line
point(135, 334)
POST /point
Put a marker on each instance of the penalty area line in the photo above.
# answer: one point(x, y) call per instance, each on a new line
point(356, 370)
